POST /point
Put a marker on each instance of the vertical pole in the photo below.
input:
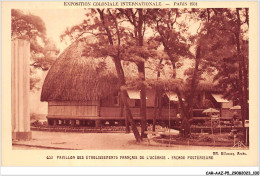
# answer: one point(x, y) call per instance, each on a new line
point(127, 127)
point(211, 126)
point(169, 112)
point(98, 123)
point(20, 90)
point(55, 122)
point(49, 122)
point(26, 87)
point(72, 123)
point(16, 73)
point(13, 88)
point(219, 125)
point(246, 136)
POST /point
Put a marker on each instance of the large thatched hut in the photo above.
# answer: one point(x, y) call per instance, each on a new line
point(85, 91)
point(74, 86)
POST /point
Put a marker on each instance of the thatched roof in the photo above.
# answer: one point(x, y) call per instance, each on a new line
point(74, 77)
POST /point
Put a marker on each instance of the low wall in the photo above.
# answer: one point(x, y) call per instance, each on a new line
point(80, 112)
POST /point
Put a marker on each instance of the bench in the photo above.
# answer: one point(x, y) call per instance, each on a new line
point(162, 133)
point(170, 135)
point(150, 134)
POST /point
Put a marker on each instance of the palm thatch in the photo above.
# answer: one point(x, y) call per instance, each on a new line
point(173, 84)
point(208, 86)
point(74, 77)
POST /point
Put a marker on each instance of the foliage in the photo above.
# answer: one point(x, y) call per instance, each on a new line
point(226, 49)
point(43, 50)
point(162, 35)
point(220, 50)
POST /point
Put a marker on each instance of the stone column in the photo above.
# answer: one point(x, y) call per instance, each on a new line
point(20, 90)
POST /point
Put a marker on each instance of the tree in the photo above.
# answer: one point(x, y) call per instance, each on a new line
point(171, 34)
point(138, 19)
point(227, 52)
point(43, 50)
point(108, 37)
point(121, 35)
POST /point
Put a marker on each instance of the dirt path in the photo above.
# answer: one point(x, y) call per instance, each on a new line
point(96, 141)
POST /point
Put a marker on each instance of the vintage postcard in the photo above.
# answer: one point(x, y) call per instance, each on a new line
point(118, 83)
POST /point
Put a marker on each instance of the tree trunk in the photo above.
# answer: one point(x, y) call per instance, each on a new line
point(156, 99)
point(127, 128)
point(141, 71)
point(120, 74)
point(123, 114)
point(124, 96)
point(143, 100)
point(185, 115)
point(130, 116)
point(160, 103)
point(194, 84)
point(155, 108)
point(185, 122)
point(247, 17)
point(242, 75)
point(137, 19)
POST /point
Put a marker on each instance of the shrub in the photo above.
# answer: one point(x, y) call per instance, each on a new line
point(206, 139)
point(33, 116)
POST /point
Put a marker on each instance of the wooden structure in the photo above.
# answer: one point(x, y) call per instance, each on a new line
point(223, 104)
point(82, 91)
point(85, 91)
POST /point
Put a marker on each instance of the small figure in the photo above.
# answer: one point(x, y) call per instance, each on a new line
point(178, 119)
point(235, 117)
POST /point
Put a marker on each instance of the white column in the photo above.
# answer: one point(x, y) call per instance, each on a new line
point(20, 89)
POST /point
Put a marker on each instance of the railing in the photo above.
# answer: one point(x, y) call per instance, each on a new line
point(107, 112)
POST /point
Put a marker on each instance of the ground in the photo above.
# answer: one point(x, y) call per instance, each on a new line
point(96, 141)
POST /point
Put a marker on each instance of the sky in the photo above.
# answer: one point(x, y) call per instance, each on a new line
point(56, 22)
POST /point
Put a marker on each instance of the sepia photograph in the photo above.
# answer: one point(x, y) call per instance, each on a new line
point(130, 78)
point(101, 77)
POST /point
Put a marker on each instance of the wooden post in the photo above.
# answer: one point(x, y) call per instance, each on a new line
point(20, 90)
point(68, 122)
point(49, 122)
point(169, 114)
point(98, 123)
point(73, 122)
point(55, 122)
point(81, 122)
point(155, 108)
point(127, 125)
